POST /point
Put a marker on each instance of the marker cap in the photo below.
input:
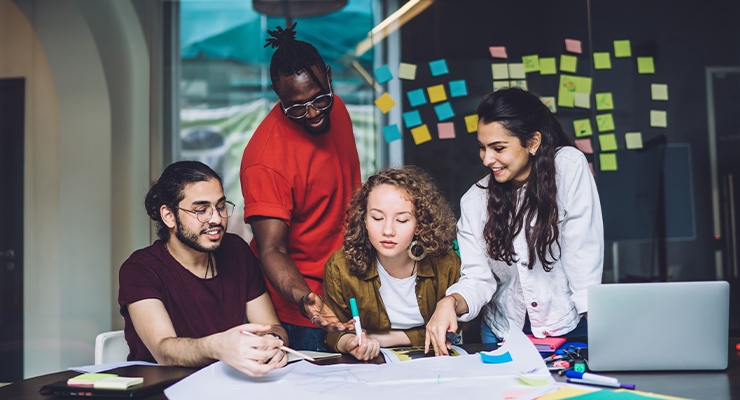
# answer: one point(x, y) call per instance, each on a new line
point(353, 306)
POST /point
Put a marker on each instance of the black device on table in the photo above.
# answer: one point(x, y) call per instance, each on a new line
point(156, 379)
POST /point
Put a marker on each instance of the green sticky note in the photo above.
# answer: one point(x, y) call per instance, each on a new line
point(645, 65)
point(633, 140)
point(659, 91)
point(581, 84)
point(568, 63)
point(608, 161)
point(582, 127)
point(602, 61)
point(658, 118)
point(566, 91)
point(608, 142)
point(622, 48)
point(604, 101)
point(605, 122)
point(531, 63)
point(548, 66)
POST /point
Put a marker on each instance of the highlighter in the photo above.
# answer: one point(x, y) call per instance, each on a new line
point(356, 316)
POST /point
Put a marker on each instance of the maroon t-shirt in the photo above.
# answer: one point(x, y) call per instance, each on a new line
point(197, 307)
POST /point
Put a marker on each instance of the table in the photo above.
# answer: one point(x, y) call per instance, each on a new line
point(714, 385)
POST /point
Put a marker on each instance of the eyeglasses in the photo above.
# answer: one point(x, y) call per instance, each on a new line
point(320, 103)
point(205, 213)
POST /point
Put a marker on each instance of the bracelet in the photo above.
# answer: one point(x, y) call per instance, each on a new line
point(449, 295)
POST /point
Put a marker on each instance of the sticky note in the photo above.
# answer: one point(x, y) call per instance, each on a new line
point(633, 140)
point(383, 74)
point(563, 393)
point(421, 134)
point(416, 97)
point(568, 63)
point(500, 71)
point(549, 102)
point(584, 145)
point(495, 358)
point(659, 91)
point(498, 51)
point(645, 65)
point(532, 380)
point(411, 118)
point(446, 130)
point(604, 101)
point(407, 71)
point(437, 93)
point(605, 122)
point(569, 85)
point(602, 61)
point(520, 84)
point(500, 85)
point(658, 118)
point(87, 379)
point(582, 84)
point(608, 142)
point(582, 100)
point(118, 383)
point(471, 123)
point(608, 161)
point(573, 46)
point(582, 127)
point(444, 111)
point(458, 88)
point(548, 66)
point(622, 48)
point(516, 71)
point(391, 133)
point(531, 63)
point(385, 102)
point(438, 67)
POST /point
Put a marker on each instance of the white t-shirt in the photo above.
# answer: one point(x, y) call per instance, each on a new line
point(399, 297)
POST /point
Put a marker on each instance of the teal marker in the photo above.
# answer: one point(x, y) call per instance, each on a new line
point(356, 316)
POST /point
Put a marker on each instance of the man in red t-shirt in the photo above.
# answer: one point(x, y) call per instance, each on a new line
point(298, 173)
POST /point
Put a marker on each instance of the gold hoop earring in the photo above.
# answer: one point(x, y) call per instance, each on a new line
point(416, 250)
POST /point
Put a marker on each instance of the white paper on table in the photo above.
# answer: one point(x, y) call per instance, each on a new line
point(93, 369)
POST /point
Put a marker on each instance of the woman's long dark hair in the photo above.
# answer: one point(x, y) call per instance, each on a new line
point(523, 114)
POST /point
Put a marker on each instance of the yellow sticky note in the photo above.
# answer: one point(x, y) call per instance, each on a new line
point(583, 127)
point(385, 102)
point(582, 100)
point(645, 65)
point(581, 84)
point(519, 84)
point(437, 93)
point(608, 142)
point(605, 122)
point(407, 71)
point(531, 63)
point(658, 118)
point(604, 101)
point(608, 161)
point(500, 85)
point(421, 134)
point(565, 91)
point(548, 66)
point(568, 63)
point(622, 48)
point(602, 61)
point(549, 101)
point(500, 71)
point(563, 393)
point(516, 71)
point(659, 91)
point(633, 140)
point(471, 122)
point(533, 380)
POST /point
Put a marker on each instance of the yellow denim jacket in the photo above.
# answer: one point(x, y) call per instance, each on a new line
point(434, 275)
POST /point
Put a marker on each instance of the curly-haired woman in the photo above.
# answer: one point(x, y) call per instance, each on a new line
point(396, 261)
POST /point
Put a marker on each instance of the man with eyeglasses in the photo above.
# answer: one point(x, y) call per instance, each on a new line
point(298, 173)
point(184, 299)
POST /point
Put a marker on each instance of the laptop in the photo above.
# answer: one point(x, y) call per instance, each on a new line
point(658, 326)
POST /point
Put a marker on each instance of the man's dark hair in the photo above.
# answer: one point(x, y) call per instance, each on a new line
point(169, 190)
point(292, 56)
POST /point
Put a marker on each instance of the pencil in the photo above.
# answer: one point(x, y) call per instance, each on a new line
point(284, 348)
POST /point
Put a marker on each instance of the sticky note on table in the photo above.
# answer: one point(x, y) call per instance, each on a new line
point(584, 145)
point(659, 91)
point(582, 127)
point(605, 122)
point(516, 71)
point(582, 100)
point(446, 130)
point(458, 88)
point(437, 93)
point(658, 118)
point(608, 142)
point(604, 101)
point(645, 65)
point(500, 71)
point(498, 51)
point(489, 358)
point(608, 161)
point(407, 71)
point(411, 118)
point(87, 379)
point(568, 63)
point(416, 97)
point(385, 103)
point(533, 380)
point(471, 123)
point(548, 66)
point(500, 85)
point(549, 101)
point(633, 140)
point(520, 84)
point(602, 61)
point(438, 67)
point(118, 383)
point(531, 63)
point(421, 134)
point(622, 48)
point(444, 111)
point(564, 393)
point(573, 46)
point(383, 74)
point(391, 133)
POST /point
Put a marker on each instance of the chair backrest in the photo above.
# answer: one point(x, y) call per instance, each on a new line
point(110, 347)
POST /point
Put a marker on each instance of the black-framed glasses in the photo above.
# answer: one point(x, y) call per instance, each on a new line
point(320, 103)
point(205, 213)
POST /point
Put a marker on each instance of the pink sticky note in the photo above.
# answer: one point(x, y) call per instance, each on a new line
point(514, 394)
point(498, 51)
point(591, 165)
point(446, 130)
point(584, 145)
point(573, 46)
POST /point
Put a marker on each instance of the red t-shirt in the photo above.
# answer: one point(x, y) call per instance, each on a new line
point(197, 307)
point(307, 181)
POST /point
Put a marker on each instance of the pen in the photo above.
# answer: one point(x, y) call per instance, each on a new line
point(283, 348)
point(356, 316)
point(591, 377)
point(604, 384)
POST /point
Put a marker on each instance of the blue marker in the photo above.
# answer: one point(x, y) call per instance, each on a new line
point(356, 316)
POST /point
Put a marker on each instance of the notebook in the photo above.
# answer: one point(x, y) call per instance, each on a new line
point(658, 326)
point(548, 344)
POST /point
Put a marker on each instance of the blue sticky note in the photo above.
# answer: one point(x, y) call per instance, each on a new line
point(496, 358)
point(383, 74)
point(444, 111)
point(391, 133)
point(439, 67)
point(458, 88)
point(417, 97)
point(412, 118)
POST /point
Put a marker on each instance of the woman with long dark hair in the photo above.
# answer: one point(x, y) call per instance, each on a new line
point(530, 233)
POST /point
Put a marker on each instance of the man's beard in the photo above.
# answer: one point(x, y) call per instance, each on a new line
point(190, 238)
